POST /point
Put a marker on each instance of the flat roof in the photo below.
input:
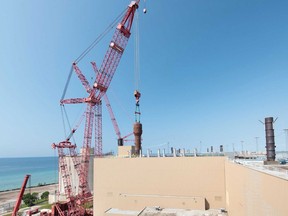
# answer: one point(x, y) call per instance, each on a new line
point(156, 210)
point(280, 171)
point(150, 211)
point(122, 212)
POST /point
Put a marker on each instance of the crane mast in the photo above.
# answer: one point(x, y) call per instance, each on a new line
point(93, 114)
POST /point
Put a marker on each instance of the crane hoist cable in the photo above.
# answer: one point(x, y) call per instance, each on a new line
point(136, 53)
point(113, 95)
point(67, 83)
point(145, 8)
point(29, 183)
point(65, 115)
point(63, 120)
point(90, 47)
point(137, 93)
point(68, 122)
point(100, 37)
point(137, 48)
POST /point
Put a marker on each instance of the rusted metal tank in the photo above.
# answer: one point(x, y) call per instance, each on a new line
point(270, 140)
point(137, 130)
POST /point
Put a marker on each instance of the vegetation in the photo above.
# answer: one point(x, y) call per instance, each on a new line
point(46, 206)
point(45, 195)
point(30, 199)
point(88, 205)
point(35, 194)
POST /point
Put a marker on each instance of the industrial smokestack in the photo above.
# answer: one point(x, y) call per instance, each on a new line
point(270, 141)
point(137, 130)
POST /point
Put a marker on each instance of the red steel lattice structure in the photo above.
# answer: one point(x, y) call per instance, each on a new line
point(93, 114)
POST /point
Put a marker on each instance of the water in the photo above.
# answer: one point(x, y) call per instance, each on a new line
point(43, 170)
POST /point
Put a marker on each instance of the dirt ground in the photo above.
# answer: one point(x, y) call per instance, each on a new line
point(9, 196)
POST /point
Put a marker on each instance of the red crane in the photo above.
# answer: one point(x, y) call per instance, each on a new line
point(93, 115)
point(19, 199)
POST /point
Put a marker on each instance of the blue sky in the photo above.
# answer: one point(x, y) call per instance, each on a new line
point(209, 71)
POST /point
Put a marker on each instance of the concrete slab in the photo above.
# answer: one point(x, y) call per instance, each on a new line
point(119, 212)
point(157, 211)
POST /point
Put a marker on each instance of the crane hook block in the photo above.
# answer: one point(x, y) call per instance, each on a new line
point(137, 95)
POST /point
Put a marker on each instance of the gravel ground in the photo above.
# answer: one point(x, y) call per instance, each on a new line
point(8, 196)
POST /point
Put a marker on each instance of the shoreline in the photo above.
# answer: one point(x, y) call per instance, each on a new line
point(12, 195)
point(17, 189)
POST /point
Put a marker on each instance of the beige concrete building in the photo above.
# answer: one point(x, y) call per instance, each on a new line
point(191, 183)
point(255, 192)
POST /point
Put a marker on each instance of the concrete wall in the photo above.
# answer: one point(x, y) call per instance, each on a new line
point(250, 192)
point(189, 183)
point(174, 182)
point(126, 151)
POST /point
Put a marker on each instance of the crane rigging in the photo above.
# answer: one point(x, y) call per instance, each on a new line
point(93, 114)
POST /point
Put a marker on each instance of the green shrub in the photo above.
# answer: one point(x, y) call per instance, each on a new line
point(45, 195)
point(29, 199)
point(35, 194)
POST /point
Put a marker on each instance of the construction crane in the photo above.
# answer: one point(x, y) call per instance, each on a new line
point(19, 199)
point(93, 117)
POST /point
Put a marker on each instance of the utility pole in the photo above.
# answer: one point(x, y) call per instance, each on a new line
point(242, 146)
point(168, 147)
point(256, 139)
point(286, 135)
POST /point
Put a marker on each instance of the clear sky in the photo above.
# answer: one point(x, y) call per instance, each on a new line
point(209, 71)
